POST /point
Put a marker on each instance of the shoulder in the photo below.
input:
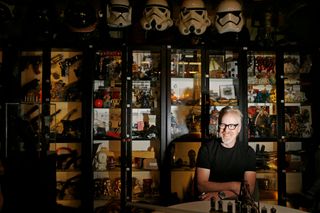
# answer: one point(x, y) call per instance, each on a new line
point(251, 153)
point(245, 148)
point(210, 144)
point(250, 149)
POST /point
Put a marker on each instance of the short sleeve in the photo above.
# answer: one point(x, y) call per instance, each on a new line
point(251, 165)
point(203, 157)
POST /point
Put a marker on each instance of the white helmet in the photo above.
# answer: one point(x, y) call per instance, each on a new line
point(193, 17)
point(119, 13)
point(156, 15)
point(229, 16)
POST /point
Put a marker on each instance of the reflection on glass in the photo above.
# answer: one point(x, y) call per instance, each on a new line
point(185, 93)
point(296, 95)
point(106, 127)
point(145, 125)
point(262, 111)
point(223, 85)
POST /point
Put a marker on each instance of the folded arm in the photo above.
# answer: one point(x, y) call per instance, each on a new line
point(231, 189)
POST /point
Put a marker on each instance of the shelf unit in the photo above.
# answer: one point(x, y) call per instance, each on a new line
point(106, 125)
point(137, 116)
point(202, 82)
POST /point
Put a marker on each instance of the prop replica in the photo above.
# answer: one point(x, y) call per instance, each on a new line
point(156, 15)
point(119, 13)
point(229, 17)
point(193, 17)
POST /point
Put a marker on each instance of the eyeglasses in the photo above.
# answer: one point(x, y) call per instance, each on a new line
point(230, 126)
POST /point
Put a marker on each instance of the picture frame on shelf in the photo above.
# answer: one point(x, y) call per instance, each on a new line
point(217, 67)
point(227, 91)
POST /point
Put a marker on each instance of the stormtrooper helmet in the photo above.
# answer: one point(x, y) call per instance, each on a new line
point(119, 13)
point(229, 16)
point(156, 15)
point(193, 17)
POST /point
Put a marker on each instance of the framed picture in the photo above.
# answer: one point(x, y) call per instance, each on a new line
point(227, 91)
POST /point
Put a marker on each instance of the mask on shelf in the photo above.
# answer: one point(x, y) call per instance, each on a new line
point(119, 13)
point(156, 15)
point(229, 17)
point(193, 18)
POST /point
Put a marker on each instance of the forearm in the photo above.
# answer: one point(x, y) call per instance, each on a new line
point(209, 186)
point(216, 196)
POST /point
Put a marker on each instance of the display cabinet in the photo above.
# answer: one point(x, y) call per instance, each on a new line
point(25, 110)
point(298, 123)
point(127, 121)
point(66, 126)
point(262, 115)
point(223, 73)
point(26, 126)
point(280, 120)
point(125, 124)
point(145, 117)
point(106, 127)
point(185, 108)
point(202, 82)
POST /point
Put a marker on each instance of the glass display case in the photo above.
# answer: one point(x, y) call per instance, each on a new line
point(297, 120)
point(224, 89)
point(263, 121)
point(106, 161)
point(201, 83)
point(26, 110)
point(144, 120)
point(185, 119)
point(297, 89)
point(29, 170)
point(66, 129)
point(151, 107)
point(185, 83)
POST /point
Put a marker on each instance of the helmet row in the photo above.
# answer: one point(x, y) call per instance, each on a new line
point(193, 16)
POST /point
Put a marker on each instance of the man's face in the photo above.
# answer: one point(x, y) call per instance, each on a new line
point(229, 128)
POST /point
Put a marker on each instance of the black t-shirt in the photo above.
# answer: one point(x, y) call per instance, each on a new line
point(226, 164)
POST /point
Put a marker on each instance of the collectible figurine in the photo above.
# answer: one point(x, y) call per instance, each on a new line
point(101, 159)
point(117, 187)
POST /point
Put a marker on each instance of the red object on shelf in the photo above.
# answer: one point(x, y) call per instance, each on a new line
point(98, 103)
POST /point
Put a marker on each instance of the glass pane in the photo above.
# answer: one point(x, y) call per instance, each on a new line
point(185, 93)
point(27, 118)
point(30, 66)
point(262, 121)
point(106, 127)
point(66, 125)
point(262, 111)
point(297, 88)
point(66, 93)
point(267, 167)
point(145, 125)
point(223, 85)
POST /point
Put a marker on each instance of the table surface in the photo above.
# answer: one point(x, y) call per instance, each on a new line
point(204, 206)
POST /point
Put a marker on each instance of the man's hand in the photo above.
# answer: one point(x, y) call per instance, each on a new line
point(209, 195)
